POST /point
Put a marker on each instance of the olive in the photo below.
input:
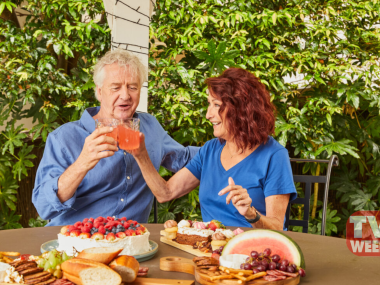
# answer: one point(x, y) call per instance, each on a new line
point(58, 274)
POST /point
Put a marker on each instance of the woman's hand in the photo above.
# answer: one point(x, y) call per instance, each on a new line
point(238, 195)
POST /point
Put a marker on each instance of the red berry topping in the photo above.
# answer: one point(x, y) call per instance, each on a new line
point(102, 230)
point(135, 223)
point(110, 218)
point(120, 235)
point(123, 219)
point(139, 232)
point(86, 229)
point(91, 219)
point(126, 225)
point(130, 232)
point(88, 225)
point(72, 228)
point(75, 233)
point(111, 237)
point(142, 229)
point(85, 235)
point(78, 224)
point(85, 220)
point(97, 236)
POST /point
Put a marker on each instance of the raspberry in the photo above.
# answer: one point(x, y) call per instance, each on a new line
point(126, 225)
point(108, 227)
point(123, 219)
point(110, 218)
point(91, 219)
point(72, 228)
point(86, 229)
point(135, 223)
point(89, 225)
point(102, 230)
point(85, 220)
point(96, 226)
point(78, 224)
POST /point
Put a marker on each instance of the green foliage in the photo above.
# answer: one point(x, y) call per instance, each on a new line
point(36, 223)
point(333, 48)
point(44, 76)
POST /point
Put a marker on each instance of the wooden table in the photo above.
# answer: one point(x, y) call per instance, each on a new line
point(328, 261)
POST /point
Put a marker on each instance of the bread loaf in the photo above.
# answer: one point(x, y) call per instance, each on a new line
point(72, 278)
point(90, 272)
point(100, 254)
point(126, 266)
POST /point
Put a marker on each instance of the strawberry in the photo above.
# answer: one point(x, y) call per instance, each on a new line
point(91, 219)
point(212, 227)
point(130, 232)
point(126, 225)
point(67, 234)
point(110, 237)
point(190, 222)
point(72, 228)
point(64, 229)
point(85, 235)
point(78, 224)
point(75, 233)
point(123, 219)
point(121, 235)
point(214, 224)
point(86, 229)
point(110, 218)
point(215, 256)
point(97, 236)
point(85, 220)
point(142, 229)
point(139, 232)
point(102, 230)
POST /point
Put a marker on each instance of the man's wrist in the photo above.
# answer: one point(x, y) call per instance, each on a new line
point(251, 213)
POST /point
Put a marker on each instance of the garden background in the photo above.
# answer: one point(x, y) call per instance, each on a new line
point(319, 60)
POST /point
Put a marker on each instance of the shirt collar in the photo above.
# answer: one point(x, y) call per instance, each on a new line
point(88, 121)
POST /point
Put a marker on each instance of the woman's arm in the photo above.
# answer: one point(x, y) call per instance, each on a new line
point(275, 213)
point(178, 185)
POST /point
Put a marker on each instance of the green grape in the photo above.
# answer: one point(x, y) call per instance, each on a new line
point(47, 265)
point(54, 251)
point(53, 261)
point(64, 256)
point(41, 263)
point(58, 259)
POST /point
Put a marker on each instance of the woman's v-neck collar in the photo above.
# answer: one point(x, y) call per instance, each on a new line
point(237, 164)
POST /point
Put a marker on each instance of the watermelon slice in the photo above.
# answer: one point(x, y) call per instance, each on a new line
point(260, 239)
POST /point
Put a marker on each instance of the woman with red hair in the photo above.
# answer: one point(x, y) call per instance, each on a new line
point(244, 174)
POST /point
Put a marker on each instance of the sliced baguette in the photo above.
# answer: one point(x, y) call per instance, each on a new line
point(126, 266)
point(100, 254)
point(72, 278)
point(90, 272)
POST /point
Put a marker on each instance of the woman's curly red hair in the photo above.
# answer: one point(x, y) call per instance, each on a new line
point(249, 113)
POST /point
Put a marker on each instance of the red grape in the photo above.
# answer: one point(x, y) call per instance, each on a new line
point(247, 266)
point(261, 268)
point(248, 259)
point(302, 272)
point(242, 266)
point(255, 263)
point(221, 248)
point(254, 254)
point(282, 267)
point(278, 266)
point(295, 266)
point(255, 270)
point(285, 262)
point(290, 269)
point(265, 264)
point(276, 258)
point(267, 252)
point(272, 265)
point(216, 251)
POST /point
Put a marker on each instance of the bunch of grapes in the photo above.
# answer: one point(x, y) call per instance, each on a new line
point(51, 262)
point(263, 261)
point(219, 250)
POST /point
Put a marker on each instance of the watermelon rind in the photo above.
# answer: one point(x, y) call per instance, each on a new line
point(254, 237)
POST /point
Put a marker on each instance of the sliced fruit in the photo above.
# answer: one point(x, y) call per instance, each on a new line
point(64, 229)
point(97, 236)
point(130, 232)
point(172, 230)
point(75, 233)
point(139, 232)
point(111, 237)
point(85, 235)
point(121, 235)
point(260, 239)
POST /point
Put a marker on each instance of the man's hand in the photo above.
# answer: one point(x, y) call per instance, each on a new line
point(97, 146)
point(138, 152)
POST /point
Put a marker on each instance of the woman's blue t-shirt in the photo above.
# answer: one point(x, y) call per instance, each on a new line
point(265, 172)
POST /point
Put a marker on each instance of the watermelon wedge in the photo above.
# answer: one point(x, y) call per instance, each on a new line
point(260, 239)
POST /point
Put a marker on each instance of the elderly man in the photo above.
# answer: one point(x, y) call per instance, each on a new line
point(83, 174)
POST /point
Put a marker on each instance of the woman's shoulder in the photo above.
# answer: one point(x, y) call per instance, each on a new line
point(272, 147)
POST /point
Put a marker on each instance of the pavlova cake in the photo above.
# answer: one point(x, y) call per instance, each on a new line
point(104, 232)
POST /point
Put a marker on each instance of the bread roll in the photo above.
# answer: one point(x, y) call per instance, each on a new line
point(100, 254)
point(72, 278)
point(90, 272)
point(127, 267)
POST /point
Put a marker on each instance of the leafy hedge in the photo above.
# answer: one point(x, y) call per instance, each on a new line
point(332, 45)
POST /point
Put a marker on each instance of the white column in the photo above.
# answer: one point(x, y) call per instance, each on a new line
point(129, 22)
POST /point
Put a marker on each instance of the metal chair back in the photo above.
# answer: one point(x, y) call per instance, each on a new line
point(309, 180)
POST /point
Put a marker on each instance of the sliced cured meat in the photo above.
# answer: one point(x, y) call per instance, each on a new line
point(62, 282)
point(143, 269)
point(287, 273)
point(273, 278)
point(274, 273)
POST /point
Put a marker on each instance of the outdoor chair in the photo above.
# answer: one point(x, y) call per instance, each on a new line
point(309, 180)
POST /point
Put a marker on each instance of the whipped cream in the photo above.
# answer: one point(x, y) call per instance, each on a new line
point(227, 233)
point(184, 224)
point(132, 244)
point(197, 232)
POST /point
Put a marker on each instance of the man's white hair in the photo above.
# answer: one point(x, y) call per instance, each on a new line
point(123, 58)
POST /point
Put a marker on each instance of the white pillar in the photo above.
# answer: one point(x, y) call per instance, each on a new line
point(129, 22)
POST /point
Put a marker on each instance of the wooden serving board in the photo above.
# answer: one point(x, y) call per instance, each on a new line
point(184, 247)
point(179, 264)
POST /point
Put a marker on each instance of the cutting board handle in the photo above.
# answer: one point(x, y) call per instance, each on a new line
point(178, 264)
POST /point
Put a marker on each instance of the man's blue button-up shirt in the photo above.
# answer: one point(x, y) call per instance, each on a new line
point(115, 186)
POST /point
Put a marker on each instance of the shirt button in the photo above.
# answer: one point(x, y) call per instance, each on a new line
point(128, 177)
point(122, 200)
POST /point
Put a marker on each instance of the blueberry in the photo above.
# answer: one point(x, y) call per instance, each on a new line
point(114, 230)
point(107, 232)
point(122, 229)
point(95, 230)
point(138, 225)
point(119, 226)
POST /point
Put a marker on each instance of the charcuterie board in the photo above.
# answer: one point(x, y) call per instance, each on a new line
point(184, 247)
point(184, 265)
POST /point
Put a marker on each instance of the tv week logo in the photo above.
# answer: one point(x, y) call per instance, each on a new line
point(363, 233)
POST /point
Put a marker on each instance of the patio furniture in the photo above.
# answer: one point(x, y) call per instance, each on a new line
point(309, 180)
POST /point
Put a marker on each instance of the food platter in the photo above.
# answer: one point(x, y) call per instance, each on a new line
point(53, 244)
